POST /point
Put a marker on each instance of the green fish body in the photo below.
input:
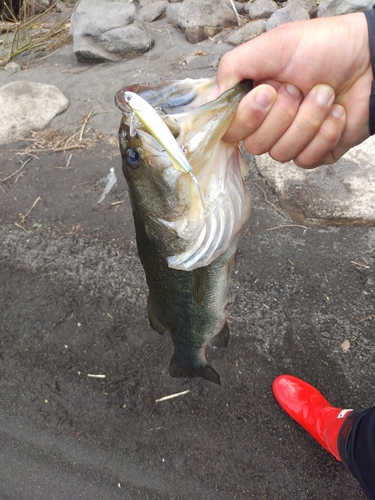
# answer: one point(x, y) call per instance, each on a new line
point(187, 252)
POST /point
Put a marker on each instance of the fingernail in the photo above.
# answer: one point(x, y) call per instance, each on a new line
point(325, 95)
point(264, 98)
point(215, 92)
point(293, 90)
point(337, 111)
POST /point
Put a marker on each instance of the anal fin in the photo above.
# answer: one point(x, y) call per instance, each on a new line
point(222, 338)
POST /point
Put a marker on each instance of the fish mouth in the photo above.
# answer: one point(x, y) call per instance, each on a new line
point(208, 222)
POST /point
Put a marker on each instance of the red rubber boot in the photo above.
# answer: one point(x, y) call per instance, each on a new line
point(310, 409)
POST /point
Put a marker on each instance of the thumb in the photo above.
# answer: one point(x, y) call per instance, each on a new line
point(259, 59)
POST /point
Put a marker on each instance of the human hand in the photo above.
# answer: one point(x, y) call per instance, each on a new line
point(328, 59)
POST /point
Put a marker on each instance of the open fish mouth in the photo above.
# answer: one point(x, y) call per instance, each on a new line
point(190, 224)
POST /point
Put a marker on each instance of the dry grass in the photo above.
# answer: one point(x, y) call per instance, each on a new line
point(56, 140)
point(34, 33)
point(59, 140)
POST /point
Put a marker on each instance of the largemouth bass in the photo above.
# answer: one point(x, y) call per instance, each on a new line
point(187, 231)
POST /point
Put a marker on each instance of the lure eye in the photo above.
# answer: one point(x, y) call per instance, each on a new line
point(132, 158)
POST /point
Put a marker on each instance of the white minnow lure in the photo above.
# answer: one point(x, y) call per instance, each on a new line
point(155, 125)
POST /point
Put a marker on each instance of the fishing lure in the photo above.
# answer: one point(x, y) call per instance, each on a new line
point(154, 124)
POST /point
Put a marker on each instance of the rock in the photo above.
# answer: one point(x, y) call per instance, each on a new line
point(345, 346)
point(153, 12)
point(28, 106)
point(173, 13)
point(248, 32)
point(292, 12)
point(12, 67)
point(108, 31)
point(240, 8)
point(329, 8)
point(145, 3)
point(201, 19)
point(310, 5)
point(261, 9)
point(331, 195)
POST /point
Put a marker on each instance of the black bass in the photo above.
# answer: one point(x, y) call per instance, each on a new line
point(188, 215)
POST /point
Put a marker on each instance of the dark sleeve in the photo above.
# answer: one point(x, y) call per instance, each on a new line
point(356, 444)
point(370, 17)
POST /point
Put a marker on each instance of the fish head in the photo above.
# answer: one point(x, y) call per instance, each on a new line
point(155, 187)
point(191, 219)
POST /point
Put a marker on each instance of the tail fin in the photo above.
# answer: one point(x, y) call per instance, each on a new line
point(207, 372)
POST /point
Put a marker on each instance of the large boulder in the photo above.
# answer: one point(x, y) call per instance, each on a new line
point(28, 106)
point(201, 19)
point(292, 12)
point(310, 5)
point(260, 9)
point(153, 12)
point(337, 7)
point(108, 31)
point(331, 195)
point(247, 32)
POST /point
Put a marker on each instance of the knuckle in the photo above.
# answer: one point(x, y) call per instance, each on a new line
point(306, 163)
point(330, 134)
point(312, 126)
point(280, 154)
point(255, 145)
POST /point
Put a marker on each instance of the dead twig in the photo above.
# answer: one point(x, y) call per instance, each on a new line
point(24, 217)
point(269, 202)
point(23, 228)
point(359, 264)
point(172, 396)
point(371, 316)
point(16, 172)
point(85, 121)
point(117, 203)
point(281, 226)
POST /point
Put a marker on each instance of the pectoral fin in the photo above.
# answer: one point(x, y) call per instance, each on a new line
point(207, 372)
point(153, 319)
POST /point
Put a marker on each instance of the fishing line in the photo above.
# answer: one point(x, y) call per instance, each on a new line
point(134, 122)
point(195, 180)
point(148, 55)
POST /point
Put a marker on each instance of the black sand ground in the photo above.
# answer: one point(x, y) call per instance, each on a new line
point(73, 304)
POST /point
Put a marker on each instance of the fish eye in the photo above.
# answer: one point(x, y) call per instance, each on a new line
point(132, 158)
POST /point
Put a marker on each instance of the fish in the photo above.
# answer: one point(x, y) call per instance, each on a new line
point(187, 230)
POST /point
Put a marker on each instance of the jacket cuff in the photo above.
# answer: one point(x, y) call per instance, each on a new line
point(370, 17)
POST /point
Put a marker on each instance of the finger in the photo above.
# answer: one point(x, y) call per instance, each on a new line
point(276, 122)
point(281, 54)
point(256, 59)
point(251, 112)
point(334, 155)
point(323, 150)
point(306, 124)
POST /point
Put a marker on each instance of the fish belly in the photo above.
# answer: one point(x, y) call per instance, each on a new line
point(191, 305)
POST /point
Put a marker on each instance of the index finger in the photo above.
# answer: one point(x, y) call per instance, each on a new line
point(255, 60)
